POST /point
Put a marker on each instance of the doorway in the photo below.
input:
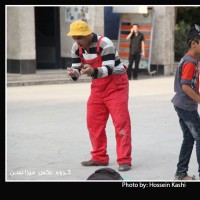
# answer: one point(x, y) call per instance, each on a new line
point(47, 30)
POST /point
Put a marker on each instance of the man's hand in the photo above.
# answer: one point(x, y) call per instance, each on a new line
point(87, 69)
point(143, 55)
point(130, 34)
point(191, 93)
point(132, 30)
point(71, 72)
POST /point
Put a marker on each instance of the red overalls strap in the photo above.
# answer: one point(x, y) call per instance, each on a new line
point(98, 45)
point(96, 62)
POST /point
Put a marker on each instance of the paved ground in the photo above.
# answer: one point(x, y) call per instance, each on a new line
point(46, 135)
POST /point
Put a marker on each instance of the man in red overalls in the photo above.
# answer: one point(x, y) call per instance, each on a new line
point(96, 56)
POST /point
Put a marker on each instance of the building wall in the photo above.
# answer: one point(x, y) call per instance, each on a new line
point(66, 42)
point(96, 20)
point(163, 38)
point(21, 52)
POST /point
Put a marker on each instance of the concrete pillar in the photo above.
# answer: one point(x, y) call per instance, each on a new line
point(21, 53)
point(66, 41)
point(163, 38)
point(96, 20)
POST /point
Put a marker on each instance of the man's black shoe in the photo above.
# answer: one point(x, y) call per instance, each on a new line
point(93, 163)
point(124, 167)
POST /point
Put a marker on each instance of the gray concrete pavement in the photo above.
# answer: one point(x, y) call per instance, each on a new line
point(47, 138)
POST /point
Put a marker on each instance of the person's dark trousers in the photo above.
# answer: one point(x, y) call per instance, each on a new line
point(133, 57)
point(190, 125)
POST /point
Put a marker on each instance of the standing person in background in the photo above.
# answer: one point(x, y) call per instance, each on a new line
point(96, 56)
point(136, 50)
point(186, 100)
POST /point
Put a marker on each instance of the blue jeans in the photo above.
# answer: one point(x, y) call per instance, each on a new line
point(190, 125)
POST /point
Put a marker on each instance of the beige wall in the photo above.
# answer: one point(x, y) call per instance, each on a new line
point(20, 33)
point(96, 20)
point(66, 41)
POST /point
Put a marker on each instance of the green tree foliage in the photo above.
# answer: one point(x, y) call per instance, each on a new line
point(186, 17)
point(181, 46)
point(190, 15)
